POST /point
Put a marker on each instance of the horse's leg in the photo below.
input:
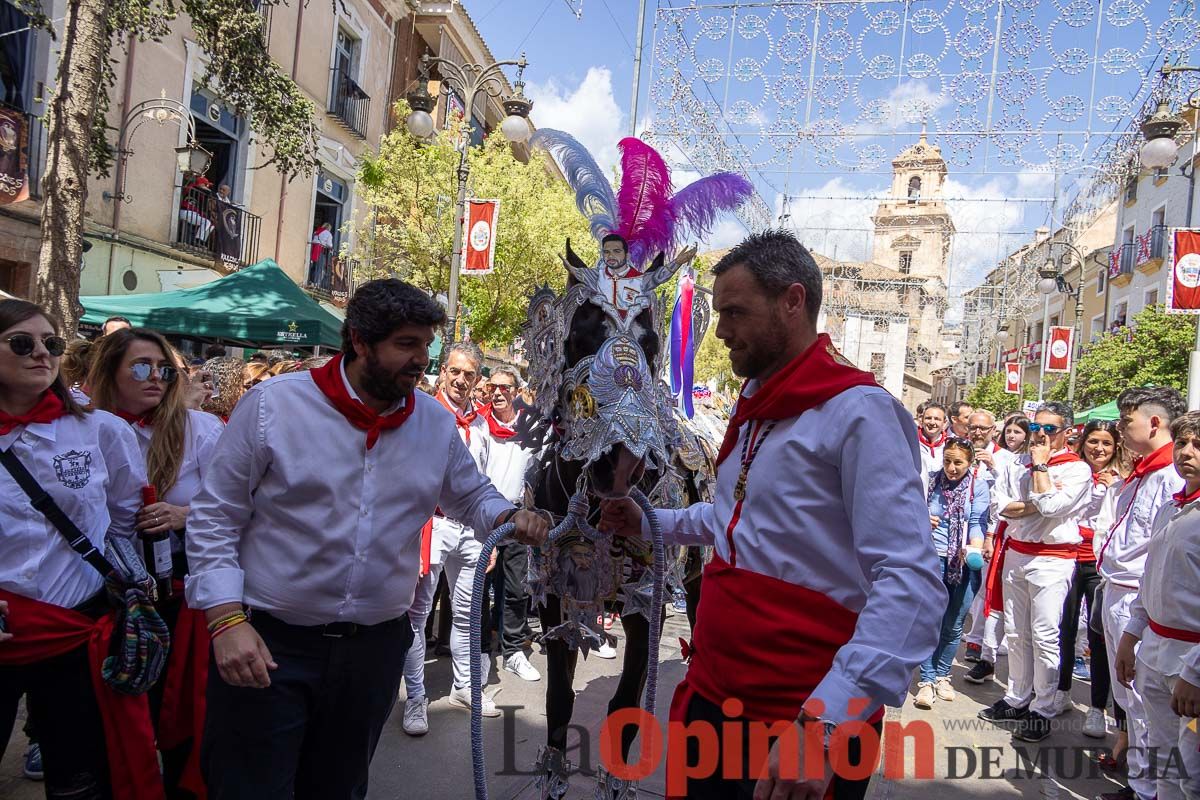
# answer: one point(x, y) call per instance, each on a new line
point(633, 674)
point(560, 675)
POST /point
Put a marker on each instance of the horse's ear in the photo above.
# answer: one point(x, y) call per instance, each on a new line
point(574, 260)
point(577, 271)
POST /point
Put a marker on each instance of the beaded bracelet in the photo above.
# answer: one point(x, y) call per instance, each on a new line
point(226, 625)
point(222, 622)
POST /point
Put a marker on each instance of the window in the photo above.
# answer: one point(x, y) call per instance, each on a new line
point(881, 326)
point(1096, 328)
point(914, 190)
point(1054, 321)
point(878, 364)
point(345, 54)
point(1150, 297)
point(1120, 315)
point(1131, 190)
point(1101, 279)
point(906, 262)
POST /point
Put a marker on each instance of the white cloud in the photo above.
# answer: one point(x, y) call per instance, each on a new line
point(838, 228)
point(589, 112)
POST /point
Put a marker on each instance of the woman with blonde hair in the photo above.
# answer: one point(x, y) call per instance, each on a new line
point(135, 375)
point(256, 372)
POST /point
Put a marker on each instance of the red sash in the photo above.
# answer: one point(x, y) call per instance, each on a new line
point(47, 409)
point(1178, 634)
point(41, 631)
point(329, 380)
point(761, 640)
point(426, 546)
point(181, 718)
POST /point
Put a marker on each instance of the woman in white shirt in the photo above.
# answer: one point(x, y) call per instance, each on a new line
point(52, 601)
point(134, 375)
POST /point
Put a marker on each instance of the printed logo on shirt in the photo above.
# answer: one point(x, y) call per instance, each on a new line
point(73, 468)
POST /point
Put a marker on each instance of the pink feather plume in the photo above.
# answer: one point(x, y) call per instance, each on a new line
point(646, 219)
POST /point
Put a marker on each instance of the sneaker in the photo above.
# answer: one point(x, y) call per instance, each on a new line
point(1033, 728)
point(680, 602)
point(1124, 793)
point(1095, 726)
point(1081, 670)
point(1001, 711)
point(461, 698)
point(925, 695)
point(416, 716)
point(944, 689)
point(973, 654)
point(1061, 703)
point(33, 763)
point(610, 620)
point(518, 664)
point(606, 650)
point(982, 671)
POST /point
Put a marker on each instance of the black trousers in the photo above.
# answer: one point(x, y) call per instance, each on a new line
point(511, 564)
point(60, 696)
point(1083, 584)
point(718, 788)
point(311, 734)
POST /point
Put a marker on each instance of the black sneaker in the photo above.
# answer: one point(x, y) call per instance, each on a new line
point(1001, 711)
point(1033, 728)
point(980, 672)
point(973, 653)
point(1124, 793)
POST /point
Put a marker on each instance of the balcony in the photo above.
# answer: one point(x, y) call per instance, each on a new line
point(1157, 251)
point(349, 104)
point(331, 279)
point(214, 228)
point(1121, 267)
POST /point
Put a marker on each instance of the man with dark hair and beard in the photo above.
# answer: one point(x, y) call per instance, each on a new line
point(824, 587)
point(304, 549)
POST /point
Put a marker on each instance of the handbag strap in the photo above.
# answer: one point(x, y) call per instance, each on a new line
point(44, 504)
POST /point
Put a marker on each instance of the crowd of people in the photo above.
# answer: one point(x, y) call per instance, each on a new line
point(1052, 535)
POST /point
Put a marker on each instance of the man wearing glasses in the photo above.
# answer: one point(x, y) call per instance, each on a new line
point(1050, 487)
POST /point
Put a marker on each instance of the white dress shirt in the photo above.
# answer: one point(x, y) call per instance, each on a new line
point(1126, 522)
point(92, 468)
point(1171, 579)
point(506, 466)
point(834, 504)
point(297, 517)
point(1059, 510)
point(447, 531)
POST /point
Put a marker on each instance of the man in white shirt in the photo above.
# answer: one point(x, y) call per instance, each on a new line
point(1165, 618)
point(1122, 536)
point(1051, 486)
point(932, 439)
point(960, 419)
point(310, 518)
point(816, 607)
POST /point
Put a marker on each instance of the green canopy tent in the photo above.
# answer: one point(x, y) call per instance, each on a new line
point(257, 306)
point(1106, 411)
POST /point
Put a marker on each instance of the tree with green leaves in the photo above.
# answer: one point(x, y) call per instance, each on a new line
point(1152, 352)
point(410, 188)
point(79, 140)
point(988, 393)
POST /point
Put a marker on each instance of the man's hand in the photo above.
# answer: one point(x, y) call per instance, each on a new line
point(241, 655)
point(621, 517)
point(1125, 659)
point(684, 256)
point(1039, 454)
point(1185, 700)
point(984, 456)
point(532, 527)
point(989, 548)
point(778, 787)
point(4, 635)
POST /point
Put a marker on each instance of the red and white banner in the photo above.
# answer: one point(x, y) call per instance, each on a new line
point(1183, 290)
point(479, 236)
point(1058, 354)
point(1012, 377)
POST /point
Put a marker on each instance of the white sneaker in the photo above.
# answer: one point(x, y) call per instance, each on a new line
point(1062, 702)
point(461, 698)
point(925, 695)
point(1095, 726)
point(416, 716)
point(519, 665)
point(606, 650)
point(944, 689)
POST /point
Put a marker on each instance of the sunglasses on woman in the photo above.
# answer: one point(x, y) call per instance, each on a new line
point(22, 344)
point(142, 371)
point(1049, 430)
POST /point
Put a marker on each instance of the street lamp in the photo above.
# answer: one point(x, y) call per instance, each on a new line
point(1052, 277)
point(467, 80)
point(191, 157)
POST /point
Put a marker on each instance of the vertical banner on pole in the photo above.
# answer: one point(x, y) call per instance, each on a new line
point(1060, 351)
point(1183, 290)
point(479, 236)
point(1012, 377)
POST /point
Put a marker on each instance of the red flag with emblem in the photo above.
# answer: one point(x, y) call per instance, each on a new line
point(479, 236)
point(1012, 377)
point(1183, 290)
point(1058, 354)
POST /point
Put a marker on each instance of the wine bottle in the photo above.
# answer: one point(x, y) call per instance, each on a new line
point(156, 551)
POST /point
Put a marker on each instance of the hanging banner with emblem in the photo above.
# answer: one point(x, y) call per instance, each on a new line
point(479, 236)
point(1183, 290)
point(1012, 377)
point(1059, 352)
point(14, 175)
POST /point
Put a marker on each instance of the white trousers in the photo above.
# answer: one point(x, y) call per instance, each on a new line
point(1034, 590)
point(459, 565)
point(1174, 750)
point(1117, 600)
point(987, 630)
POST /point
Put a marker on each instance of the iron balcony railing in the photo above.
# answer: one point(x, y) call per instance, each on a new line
point(1158, 241)
point(349, 103)
point(222, 229)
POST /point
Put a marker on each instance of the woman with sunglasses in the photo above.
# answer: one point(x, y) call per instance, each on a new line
point(958, 512)
point(1098, 446)
point(135, 376)
point(53, 602)
point(1014, 435)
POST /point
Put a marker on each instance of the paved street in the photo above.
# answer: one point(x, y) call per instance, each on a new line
point(441, 761)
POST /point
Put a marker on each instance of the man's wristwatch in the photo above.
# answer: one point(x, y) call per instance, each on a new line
point(1040, 468)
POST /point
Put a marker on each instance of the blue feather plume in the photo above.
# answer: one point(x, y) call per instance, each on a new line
point(593, 193)
point(696, 206)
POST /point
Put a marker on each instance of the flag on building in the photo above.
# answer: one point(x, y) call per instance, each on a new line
point(1012, 377)
point(479, 236)
point(682, 349)
point(1114, 262)
point(1183, 290)
point(1060, 351)
point(1143, 247)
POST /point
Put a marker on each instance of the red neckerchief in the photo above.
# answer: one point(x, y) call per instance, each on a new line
point(47, 409)
point(329, 380)
point(809, 379)
point(1182, 498)
point(141, 420)
point(1152, 463)
point(931, 445)
point(498, 429)
point(463, 421)
point(1062, 458)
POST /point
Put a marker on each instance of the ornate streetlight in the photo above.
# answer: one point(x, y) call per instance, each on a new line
point(468, 80)
point(162, 110)
point(1052, 280)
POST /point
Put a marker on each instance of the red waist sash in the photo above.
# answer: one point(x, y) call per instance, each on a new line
point(1085, 552)
point(181, 718)
point(1178, 634)
point(41, 631)
point(994, 600)
point(763, 641)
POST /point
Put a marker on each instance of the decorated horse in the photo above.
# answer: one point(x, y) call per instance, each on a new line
point(595, 357)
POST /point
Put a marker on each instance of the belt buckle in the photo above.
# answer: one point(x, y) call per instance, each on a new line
point(339, 630)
